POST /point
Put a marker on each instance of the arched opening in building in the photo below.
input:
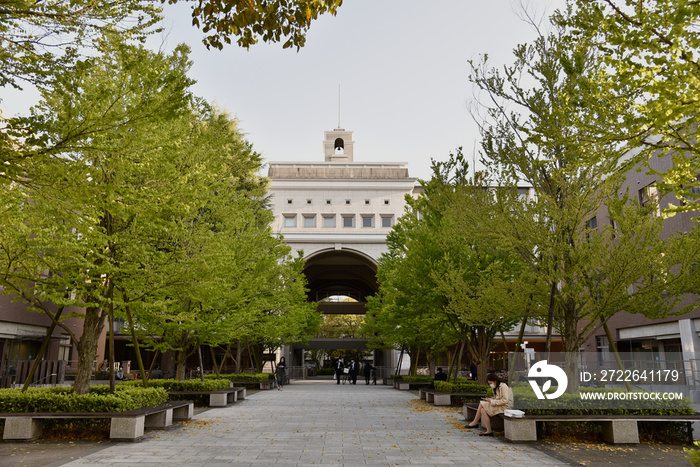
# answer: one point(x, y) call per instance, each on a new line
point(339, 282)
point(339, 145)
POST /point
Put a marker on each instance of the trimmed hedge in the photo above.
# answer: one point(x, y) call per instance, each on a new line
point(244, 377)
point(572, 404)
point(208, 384)
point(465, 386)
point(418, 379)
point(64, 399)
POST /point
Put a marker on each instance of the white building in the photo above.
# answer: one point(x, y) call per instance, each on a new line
point(339, 212)
point(338, 204)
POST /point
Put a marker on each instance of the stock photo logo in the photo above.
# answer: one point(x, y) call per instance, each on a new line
point(542, 369)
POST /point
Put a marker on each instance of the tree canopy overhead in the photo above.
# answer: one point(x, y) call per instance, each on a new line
point(652, 49)
point(284, 21)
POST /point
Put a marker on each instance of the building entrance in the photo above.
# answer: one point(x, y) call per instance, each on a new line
point(339, 282)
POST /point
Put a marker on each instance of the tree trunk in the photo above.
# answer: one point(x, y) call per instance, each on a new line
point(511, 363)
point(201, 362)
point(571, 347)
point(237, 360)
point(42, 350)
point(167, 363)
point(87, 349)
point(153, 362)
point(612, 345)
point(458, 359)
point(550, 319)
point(213, 359)
point(135, 342)
point(181, 365)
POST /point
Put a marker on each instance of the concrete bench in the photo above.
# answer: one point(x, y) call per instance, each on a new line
point(617, 429)
point(124, 426)
point(405, 386)
point(219, 398)
point(262, 385)
point(469, 409)
point(445, 398)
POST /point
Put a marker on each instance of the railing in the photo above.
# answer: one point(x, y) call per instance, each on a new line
point(48, 372)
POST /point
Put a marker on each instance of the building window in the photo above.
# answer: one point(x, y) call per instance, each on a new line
point(289, 200)
point(695, 190)
point(290, 220)
point(591, 225)
point(523, 192)
point(603, 349)
point(309, 220)
point(367, 221)
point(613, 228)
point(367, 201)
point(347, 201)
point(308, 201)
point(348, 221)
point(386, 201)
point(387, 221)
point(329, 221)
point(328, 201)
point(64, 348)
point(649, 196)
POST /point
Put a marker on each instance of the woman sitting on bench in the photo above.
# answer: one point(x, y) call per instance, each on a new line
point(493, 406)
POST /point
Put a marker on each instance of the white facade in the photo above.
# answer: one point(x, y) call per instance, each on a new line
point(338, 204)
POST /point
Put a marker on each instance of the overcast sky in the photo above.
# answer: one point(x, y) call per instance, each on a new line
point(402, 66)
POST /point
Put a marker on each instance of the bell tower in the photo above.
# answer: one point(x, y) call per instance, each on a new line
point(338, 145)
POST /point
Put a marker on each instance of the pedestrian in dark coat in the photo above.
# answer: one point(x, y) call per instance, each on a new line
point(368, 371)
point(281, 373)
point(339, 370)
point(354, 369)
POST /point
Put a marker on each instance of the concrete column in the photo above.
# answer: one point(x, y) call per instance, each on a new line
point(662, 356)
point(690, 345)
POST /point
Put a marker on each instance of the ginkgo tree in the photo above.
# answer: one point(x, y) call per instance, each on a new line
point(652, 49)
point(147, 206)
point(440, 286)
point(546, 123)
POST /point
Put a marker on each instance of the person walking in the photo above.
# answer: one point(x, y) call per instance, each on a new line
point(281, 373)
point(353, 371)
point(368, 371)
point(339, 370)
point(473, 371)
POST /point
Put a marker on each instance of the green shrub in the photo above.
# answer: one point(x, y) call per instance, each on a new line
point(244, 377)
point(418, 379)
point(397, 377)
point(463, 386)
point(187, 385)
point(64, 399)
point(693, 455)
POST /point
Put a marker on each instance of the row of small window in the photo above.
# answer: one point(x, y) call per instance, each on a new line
point(328, 201)
point(329, 220)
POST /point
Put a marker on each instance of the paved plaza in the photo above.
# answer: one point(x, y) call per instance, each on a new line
point(319, 422)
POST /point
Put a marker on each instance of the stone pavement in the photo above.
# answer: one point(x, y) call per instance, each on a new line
point(319, 422)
